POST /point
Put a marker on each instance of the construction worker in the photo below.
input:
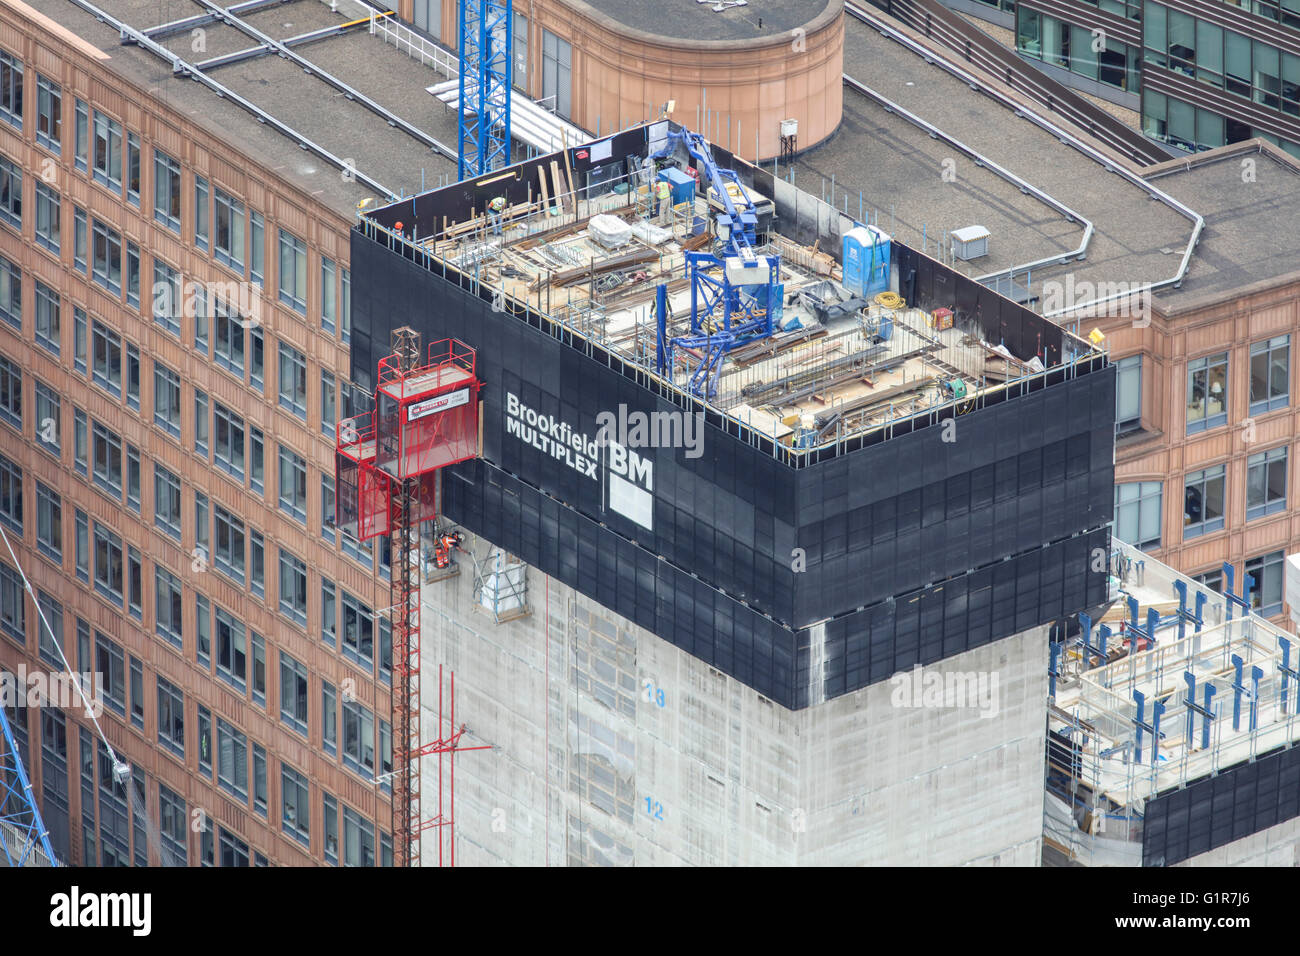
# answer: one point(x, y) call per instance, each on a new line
point(663, 192)
point(497, 207)
point(447, 542)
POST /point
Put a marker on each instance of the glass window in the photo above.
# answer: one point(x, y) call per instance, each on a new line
point(107, 257)
point(293, 693)
point(203, 630)
point(295, 811)
point(81, 135)
point(106, 359)
point(259, 779)
point(557, 57)
point(228, 439)
point(168, 607)
point(133, 378)
point(49, 114)
point(49, 523)
point(11, 495)
point(11, 194)
point(11, 393)
point(133, 478)
point(232, 763)
point(47, 318)
point(168, 297)
point(1203, 502)
point(48, 213)
point(256, 562)
point(1138, 513)
point(171, 717)
point(1270, 374)
point(228, 238)
point(1266, 593)
point(167, 501)
point(293, 272)
point(328, 295)
point(11, 294)
point(1266, 483)
point(232, 649)
point(257, 264)
point(166, 399)
point(11, 90)
point(293, 484)
point(49, 424)
point(202, 202)
point(1207, 392)
point(201, 423)
point(107, 151)
point(259, 668)
point(167, 191)
point(106, 459)
point(110, 662)
point(293, 380)
point(132, 169)
point(228, 550)
point(329, 718)
point(293, 587)
point(358, 739)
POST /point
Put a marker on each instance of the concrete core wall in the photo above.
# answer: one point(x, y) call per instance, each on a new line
point(611, 746)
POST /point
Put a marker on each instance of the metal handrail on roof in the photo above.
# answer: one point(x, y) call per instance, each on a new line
point(181, 67)
point(1069, 139)
point(310, 67)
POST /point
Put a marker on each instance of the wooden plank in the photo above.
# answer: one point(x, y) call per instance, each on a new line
point(559, 185)
point(546, 193)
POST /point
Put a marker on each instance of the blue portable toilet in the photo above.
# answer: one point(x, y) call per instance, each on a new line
point(866, 261)
point(682, 185)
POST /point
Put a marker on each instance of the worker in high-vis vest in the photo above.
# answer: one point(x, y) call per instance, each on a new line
point(497, 207)
point(663, 192)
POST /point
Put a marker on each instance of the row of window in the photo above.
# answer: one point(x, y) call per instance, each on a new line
point(222, 225)
point(1138, 504)
point(1222, 58)
point(1086, 52)
point(240, 658)
point(1194, 128)
point(1207, 386)
point(110, 843)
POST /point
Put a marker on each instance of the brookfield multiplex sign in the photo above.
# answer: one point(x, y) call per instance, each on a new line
point(626, 478)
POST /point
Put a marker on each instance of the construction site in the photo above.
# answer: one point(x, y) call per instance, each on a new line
point(663, 509)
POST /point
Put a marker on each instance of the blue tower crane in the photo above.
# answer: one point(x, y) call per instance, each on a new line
point(733, 292)
point(22, 830)
point(483, 136)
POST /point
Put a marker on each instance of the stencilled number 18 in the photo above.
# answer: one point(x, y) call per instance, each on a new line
point(652, 694)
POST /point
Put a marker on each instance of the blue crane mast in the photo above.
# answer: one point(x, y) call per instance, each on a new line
point(734, 291)
point(483, 135)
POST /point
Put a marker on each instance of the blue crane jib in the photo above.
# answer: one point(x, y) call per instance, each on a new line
point(734, 292)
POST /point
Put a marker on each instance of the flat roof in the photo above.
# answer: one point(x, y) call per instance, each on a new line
point(698, 19)
point(1249, 235)
point(1250, 198)
point(281, 88)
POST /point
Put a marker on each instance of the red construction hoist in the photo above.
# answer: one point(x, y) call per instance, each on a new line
point(386, 479)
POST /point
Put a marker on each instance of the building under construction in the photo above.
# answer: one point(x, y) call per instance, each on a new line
point(679, 649)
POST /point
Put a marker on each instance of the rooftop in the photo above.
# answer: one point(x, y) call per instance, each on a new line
point(303, 101)
point(1138, 236)
point(838, 364)
point(703, 20)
